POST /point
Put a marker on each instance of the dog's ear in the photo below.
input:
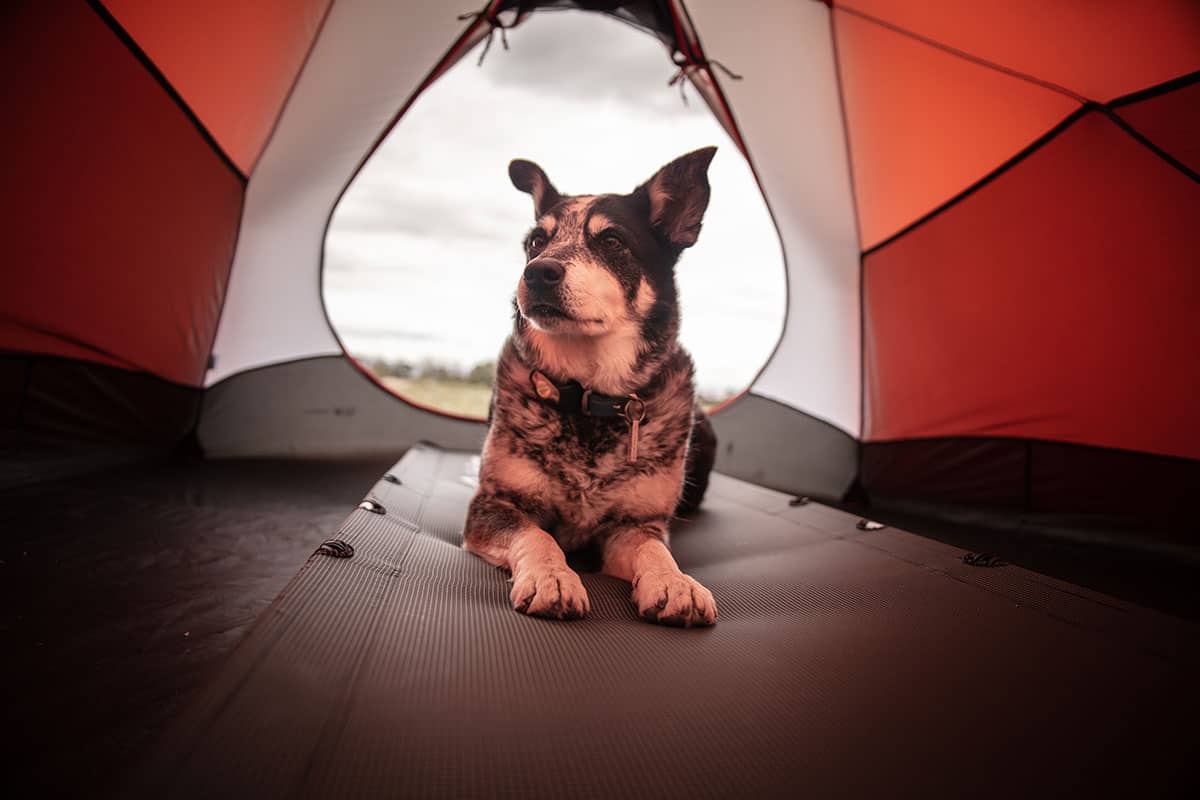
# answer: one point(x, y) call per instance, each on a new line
point(529, 178)
point(678, 196)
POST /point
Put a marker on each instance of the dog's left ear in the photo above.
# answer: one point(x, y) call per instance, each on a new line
point(530, 179)
point(679, 195)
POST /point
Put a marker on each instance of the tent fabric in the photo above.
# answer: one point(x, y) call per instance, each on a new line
point(985, 215)
point(62, 416)
point(1098, 51)
point(957, 347)
point(124, 217)
point(798, 150)
point(403, 670)
point(356, 83)
point(750, 429)
point(327, 407)
point(1170, 118)
point(1058, 489)
point(988, 214)
point(319, 408)
point(239, 95)
point(924, 124)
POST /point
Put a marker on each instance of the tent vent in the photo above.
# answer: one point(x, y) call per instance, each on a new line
point(390, 478)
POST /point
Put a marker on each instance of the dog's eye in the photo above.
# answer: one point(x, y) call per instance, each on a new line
point(610, 241)
point(537, 240)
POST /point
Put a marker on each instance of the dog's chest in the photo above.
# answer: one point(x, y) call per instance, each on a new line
point(586, 460)
point(578, 468)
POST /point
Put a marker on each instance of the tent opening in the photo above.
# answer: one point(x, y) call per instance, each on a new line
point(424, 249)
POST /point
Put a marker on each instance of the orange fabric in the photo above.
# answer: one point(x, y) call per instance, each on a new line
point(924, 124)
point(1171, 121)
point(232, 61)
point(1057, 302)
point(123, 219)
point(1101, 49)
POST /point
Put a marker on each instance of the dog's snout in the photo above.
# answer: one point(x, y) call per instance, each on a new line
point(544, 272)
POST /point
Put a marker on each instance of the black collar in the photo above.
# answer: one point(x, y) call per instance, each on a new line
point(573, 398)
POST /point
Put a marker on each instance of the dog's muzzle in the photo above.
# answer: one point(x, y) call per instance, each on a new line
point(544, 273)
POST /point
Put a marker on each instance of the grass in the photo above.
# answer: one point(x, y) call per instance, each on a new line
point(470, 399)
point(457, 397)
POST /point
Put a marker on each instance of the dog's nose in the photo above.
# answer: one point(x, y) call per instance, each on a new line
point(544, 272)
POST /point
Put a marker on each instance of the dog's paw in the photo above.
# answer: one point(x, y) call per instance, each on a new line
point(672, 598)
point(549, 592)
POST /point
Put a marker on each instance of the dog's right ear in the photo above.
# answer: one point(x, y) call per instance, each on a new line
point(678, 195)
point(529, 178)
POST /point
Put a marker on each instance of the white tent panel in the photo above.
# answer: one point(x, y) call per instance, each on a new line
point(367, 61)
point(789, 113)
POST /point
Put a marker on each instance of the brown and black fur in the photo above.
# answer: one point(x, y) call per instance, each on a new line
point(597, 304)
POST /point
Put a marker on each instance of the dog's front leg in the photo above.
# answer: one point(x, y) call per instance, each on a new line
point(661, 592)
point(542, 583)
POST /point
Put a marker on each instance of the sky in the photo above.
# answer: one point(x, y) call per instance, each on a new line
point(424, 251)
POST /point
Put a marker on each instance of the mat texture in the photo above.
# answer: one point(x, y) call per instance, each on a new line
point(123, 591)
point(846, 662)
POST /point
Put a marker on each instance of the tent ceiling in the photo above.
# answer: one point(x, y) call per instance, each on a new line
point(1098, 50)
point(126, 215)
point(924, 123)
point(798, 148)
point(1016, 184)
point(356, 79)
point(1058, 249)
point(1171, 121)
point(261, 47)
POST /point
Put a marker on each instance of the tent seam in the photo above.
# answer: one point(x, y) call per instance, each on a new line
point(119, 361)
point(963, 54)
point(1032, 440)
point(740, 141)
point(292, 89)
point(862, 265)
point(806, 414)
point(157, 75)
point(237, 238)
point(1145, 141)
point(1037, 144)
point(1157, 90)
point(450, 57)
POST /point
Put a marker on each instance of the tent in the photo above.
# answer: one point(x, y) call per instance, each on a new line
point(989, 215)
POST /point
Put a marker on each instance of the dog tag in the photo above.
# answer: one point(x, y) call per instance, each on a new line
point(544, 388)
point(635, 412)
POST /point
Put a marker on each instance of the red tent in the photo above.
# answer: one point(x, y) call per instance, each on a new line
point(990, 214)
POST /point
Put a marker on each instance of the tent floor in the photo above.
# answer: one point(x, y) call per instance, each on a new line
point(849, 662)
point(122, 590)
point(853, 660)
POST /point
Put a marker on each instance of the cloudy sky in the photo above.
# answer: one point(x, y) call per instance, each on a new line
point(423, 254)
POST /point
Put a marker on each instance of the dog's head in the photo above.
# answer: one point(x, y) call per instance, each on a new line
point(604, 264)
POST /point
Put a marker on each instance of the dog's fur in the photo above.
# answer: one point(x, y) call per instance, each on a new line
point(597, 304)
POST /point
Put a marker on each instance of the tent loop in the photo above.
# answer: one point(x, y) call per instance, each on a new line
point(338, 548)
point(373, 506)
point(496, 24)
point(983, 560)
point(687, 65)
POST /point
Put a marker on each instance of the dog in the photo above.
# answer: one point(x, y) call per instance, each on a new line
point(594, 438)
